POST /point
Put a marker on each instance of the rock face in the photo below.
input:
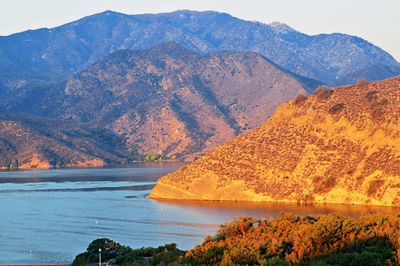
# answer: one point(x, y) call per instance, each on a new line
point(335, 146)
point(171, 101)
point(53, 54)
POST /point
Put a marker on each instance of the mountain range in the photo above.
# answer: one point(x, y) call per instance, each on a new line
point(334, 146)
point(166, 100)
point(112, 88)
point(52, 54)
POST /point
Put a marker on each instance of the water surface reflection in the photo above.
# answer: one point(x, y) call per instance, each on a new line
point(50, 216)
point(272, 210)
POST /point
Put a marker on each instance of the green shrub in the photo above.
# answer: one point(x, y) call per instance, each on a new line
point(152, 157)
point(288, 240)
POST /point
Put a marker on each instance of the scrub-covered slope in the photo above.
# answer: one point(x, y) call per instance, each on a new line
point(336, 146)
point(171, 101)
point(165, 101)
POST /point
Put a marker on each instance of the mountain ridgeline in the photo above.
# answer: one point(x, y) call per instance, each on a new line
point(334, 146)
point(44, 55)
point(166, 100)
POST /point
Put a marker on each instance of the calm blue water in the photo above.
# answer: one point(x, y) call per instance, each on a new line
point(52, 215)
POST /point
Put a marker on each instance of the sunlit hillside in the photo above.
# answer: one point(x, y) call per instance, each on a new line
point(336, 146)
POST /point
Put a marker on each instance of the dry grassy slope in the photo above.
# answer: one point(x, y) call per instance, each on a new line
point(340, 146)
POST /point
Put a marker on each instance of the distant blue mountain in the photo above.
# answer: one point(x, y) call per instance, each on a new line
point(45, 55)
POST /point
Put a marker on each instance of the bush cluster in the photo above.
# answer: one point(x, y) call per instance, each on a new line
point(114, 253)
point(288, 240)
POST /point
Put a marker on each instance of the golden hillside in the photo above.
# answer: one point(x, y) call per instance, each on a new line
point(335, 146)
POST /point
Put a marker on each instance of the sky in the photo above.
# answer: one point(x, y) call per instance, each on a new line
point(374, 20)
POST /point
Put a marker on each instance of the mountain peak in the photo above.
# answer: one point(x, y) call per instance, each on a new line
point(108, 13)
point(281, 28)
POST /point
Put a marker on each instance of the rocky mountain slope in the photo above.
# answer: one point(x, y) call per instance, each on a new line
point(171, 101)
point(44, 55)
point(27, 142)
point(335, 146)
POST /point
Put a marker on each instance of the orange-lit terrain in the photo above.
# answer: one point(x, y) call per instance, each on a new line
point(335, 146)
point(27, 144)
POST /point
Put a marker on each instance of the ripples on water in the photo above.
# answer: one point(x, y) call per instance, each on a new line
point(50, 216)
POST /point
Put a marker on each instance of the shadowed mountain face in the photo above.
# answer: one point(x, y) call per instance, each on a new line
point(29, 58)
point(169, 100)
point(335, 146)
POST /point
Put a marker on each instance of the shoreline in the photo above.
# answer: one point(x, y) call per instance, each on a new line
point(270, 202)
point(106, 166)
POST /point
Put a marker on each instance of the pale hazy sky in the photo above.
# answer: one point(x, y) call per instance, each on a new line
point(377, 21)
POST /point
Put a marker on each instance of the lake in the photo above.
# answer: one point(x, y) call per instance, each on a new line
point(50, 216)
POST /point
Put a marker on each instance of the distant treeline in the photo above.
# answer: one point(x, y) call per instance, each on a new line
point(288, 240)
